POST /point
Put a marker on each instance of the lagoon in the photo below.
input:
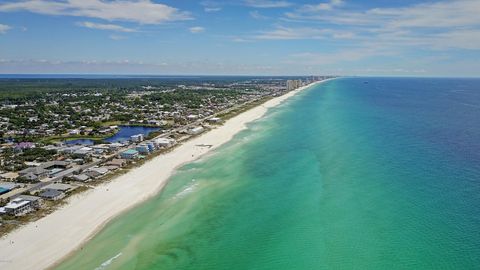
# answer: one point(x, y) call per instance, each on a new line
point(121, 136)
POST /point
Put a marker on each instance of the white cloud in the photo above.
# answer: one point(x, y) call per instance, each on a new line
point(286, 33)
point(135, 67)
point(211, 6)
point(256, 15)
point(291, 33)
point(138, 11)
point(326, 58)
point(322, 6)
point(439, 14)
point(116, 37)
point(196, 29)
point(267, 4)
point(428, 15)
point(4, 28)
point(212, 9)
point(440, 25)
point(109, 27)
point(239, 39)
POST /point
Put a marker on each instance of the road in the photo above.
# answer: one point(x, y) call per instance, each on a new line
point(58, 177)
point(84, 167)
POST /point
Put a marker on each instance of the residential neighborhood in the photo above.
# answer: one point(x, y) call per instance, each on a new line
point(64, 141)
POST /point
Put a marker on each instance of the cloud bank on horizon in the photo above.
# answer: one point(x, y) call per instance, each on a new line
point(257, 37)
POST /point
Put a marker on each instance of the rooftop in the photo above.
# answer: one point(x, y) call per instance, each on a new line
point(51, 193)
point(130, 152)
point(59, 186)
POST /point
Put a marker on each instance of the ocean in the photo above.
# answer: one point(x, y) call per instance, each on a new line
point(355, 173)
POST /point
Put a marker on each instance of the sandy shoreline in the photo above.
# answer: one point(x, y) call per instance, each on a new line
point(44, 243)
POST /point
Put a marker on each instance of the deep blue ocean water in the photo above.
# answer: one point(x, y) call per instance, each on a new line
point(355, 173)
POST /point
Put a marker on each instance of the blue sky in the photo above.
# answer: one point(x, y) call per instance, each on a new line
point(243, 37)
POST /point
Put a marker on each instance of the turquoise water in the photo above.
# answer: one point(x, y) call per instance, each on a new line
point(346, 175)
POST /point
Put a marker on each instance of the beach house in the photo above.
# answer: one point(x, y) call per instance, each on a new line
point(164, 142)
point(116, 163)
point(129, 154)
point(195, 130)
point(136, 138)
point(214, 120)
point(36, 202)
point(52, 194)
point(17, 207)
point(33, 174)
point(143, 148)
point(7, 187)
point(81, 177)
point(22, 205)
point(96, 172)
point(60, 187)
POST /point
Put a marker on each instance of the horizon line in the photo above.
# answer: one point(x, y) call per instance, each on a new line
point(4, 75)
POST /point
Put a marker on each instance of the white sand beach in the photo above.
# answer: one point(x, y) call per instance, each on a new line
point(42, 244)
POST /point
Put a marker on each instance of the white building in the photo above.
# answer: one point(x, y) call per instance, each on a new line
point(22, 205)
point(293, 84)
point(137, 138)
point(195, 130)
point(17, 207)
point(192, 117)
point(164, 142)
point(214, 120)
point(143, 148)
point(74, 132)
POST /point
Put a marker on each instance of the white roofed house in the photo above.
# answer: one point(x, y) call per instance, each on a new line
point(155, 122)
point(137, 138)
point(164, 142)
point(17, 207)
point(36, 202)
point(22, 205)
point(74, 132)
point(195, 130)
point(192, 117)
point(214, 120)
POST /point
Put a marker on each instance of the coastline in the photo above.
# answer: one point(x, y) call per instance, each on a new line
point(46, 242)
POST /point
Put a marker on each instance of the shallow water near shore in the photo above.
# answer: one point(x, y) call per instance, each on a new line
point(345, 175)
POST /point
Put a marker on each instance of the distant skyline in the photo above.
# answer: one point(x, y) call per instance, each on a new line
point(244, 37)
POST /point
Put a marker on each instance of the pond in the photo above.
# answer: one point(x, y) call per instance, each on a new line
point(121, 136)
